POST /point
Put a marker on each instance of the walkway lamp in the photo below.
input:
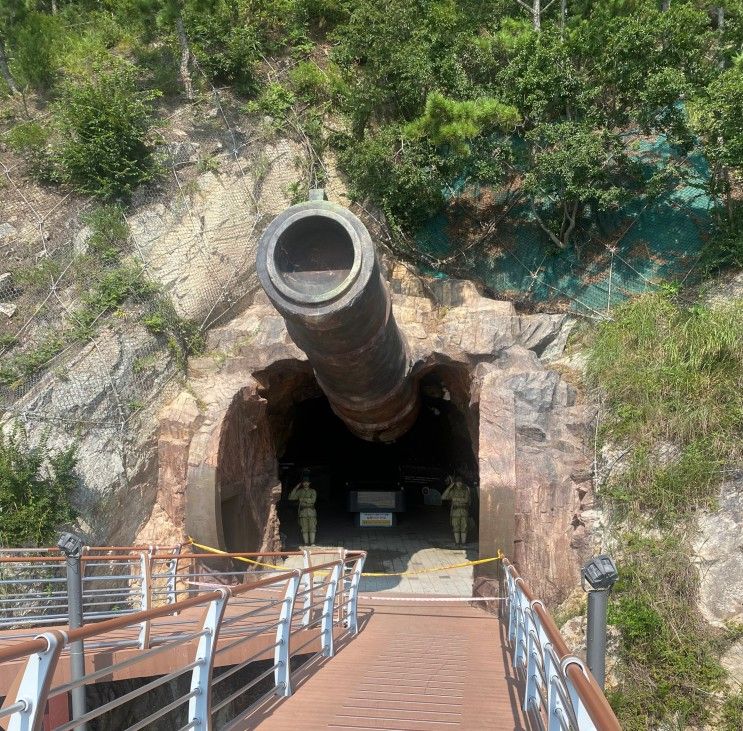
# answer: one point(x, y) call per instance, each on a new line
point(600, 573)
point(72, 547)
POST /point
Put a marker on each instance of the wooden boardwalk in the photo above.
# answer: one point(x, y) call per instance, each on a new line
point(413, 667)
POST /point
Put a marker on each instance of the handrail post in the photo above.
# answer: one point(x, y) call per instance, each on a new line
point(581, 714)
point(35, 684)
point(328, 611)
point(200, 705)
point(172, 572)
point(145, 602)
point(531, 692)
point(352, 615)
point(72, 547)
point(307, 588)
point(282, 653)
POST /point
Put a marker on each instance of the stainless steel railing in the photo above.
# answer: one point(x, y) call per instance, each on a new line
point(559, 692)
point(197, 644)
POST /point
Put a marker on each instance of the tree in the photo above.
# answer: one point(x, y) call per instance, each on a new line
point(455, 123)
point(718, 119)
point(541, 80)
point(104, 126)
point(573, 167)
point(35, 489)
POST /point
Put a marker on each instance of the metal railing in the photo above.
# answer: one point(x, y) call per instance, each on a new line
point(269, 620)
point(116, 581)
point(559, 692)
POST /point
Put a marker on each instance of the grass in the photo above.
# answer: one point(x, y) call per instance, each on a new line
point(671, 378)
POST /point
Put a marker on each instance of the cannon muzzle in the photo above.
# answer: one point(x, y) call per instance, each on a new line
point(318, 266)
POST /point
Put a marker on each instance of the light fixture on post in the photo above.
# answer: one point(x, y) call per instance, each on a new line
point(600, 573)
point(72, 547)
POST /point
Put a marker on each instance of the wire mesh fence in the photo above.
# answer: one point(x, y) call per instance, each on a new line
point(92, 327)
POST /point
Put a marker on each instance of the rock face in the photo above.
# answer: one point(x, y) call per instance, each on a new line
point(218, 440)
point(718, 554)
point(200, 243)
point(90, 405)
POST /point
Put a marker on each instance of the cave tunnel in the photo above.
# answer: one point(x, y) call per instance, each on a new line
point(290, 426)
point(414, 467)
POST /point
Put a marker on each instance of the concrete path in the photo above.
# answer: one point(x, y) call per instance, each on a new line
point(422, 540)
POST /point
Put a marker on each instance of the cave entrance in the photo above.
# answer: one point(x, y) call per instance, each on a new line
point(438, 444)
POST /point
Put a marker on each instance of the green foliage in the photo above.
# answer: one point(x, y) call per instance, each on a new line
point(107, 291)
point(400, 174)
point(540, 78)
point(36, 44)
point(183, 336)
point(227, 49)
point(31, 139)
point(109, 233)
point(573, 167)
point(36, 485)
point(105, 127)
point(275, 101)
point(724, 249)
point(669, 373)
point(671, 665)
point(731, 717)
point(455, 123)
point(7, 341)
point(310, 82)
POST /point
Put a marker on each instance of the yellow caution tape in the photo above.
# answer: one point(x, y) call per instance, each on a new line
point(462, 565)
point(236, 558)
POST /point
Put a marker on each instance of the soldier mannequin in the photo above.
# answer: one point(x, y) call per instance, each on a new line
point(306, 495)
point(459, 494)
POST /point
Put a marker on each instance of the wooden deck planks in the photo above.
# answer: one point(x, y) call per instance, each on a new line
point(414, 667)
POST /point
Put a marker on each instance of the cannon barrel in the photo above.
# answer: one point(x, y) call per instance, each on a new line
point(318, 266)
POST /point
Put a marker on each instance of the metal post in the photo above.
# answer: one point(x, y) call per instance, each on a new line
point(172, 572)
point(72, 547)
point(282, 655)
point(200, 703)
point(328, 610)
point(34, 687)
point(598, 603)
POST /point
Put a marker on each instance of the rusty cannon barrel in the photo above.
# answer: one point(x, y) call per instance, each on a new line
point(318, 266)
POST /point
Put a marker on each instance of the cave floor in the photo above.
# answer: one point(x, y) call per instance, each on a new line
point(422, 540)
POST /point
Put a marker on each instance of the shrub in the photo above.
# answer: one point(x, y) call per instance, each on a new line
point(405, 180)
point(36, 45)
point(109, 233)
point(105, 126)
point(31, 139)
point(36, 484)
point(310, 82)
point(275, 100)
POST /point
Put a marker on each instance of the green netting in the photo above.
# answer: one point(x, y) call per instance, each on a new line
point(616, 257)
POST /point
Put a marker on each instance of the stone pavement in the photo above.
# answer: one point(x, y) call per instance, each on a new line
point(422, 540)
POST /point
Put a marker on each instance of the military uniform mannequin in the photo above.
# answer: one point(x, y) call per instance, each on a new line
point(306, 496)
point(459, 494)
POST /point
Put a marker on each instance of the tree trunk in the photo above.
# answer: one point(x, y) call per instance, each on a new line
point(720, 18)
point(563, 17)
point(5, 71)
point(665, 5)
point(54, 7)
point(185, 58)
point(537, 15)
